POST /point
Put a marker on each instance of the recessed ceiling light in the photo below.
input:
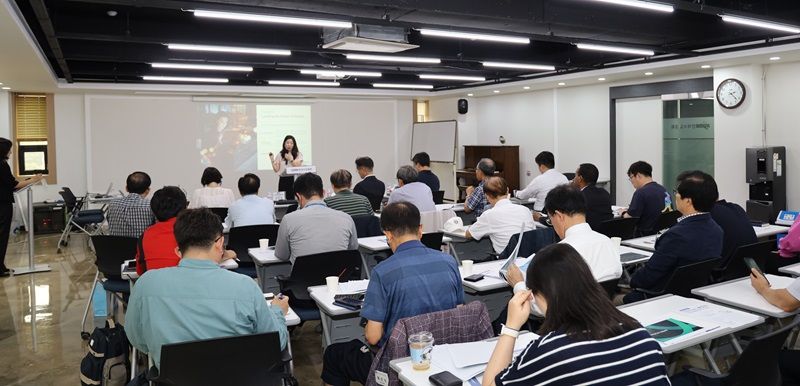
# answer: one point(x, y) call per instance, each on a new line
point(705, 66)
point(235, 50)
point(184, 79)
point(470, 94)
point(496, 91)
point(622, 50)
point(272, 19)
point(774, 58)
point(761, 24)
point(601, 79)
point(398, 85)
point(6, 88)
point(474, 36)
point(389, 58)
point(302, 83)
point(521, 66)
point(341, 73)
point(648, 73)
point(526, 88)
point(641, 4)
point(210, 67)
point(1, 83)
point(452, 77)
point(562, 84)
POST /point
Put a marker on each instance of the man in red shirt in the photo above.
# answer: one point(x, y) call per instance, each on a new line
point(157, 246)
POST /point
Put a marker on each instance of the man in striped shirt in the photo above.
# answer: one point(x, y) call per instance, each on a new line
point(345, 200)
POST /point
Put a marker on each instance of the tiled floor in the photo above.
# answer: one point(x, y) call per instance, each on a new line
point(48, 351)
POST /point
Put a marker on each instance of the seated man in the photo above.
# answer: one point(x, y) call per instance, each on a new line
point(129, 216)
point(422, 163)
point(250, 209)
point(314, 228)
point(476, 199)
point(696, 237)
point(345, 200)
point(649, 199)
point(503, 220)
point(369, 186)
point(197, 299)
point(788, 300)
point(415, 280)
point(412, 191)
point(598, 200)
point(541, 185)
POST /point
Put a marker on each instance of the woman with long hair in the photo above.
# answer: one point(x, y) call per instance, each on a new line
point(8, 184)
point(289, 156)
point(584, 339)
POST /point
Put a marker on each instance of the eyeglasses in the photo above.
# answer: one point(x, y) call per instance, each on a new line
point(218, 238)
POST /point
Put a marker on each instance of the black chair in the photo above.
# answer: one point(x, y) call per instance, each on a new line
point(237, 360)
point(433, 240)
point(311, 270)
point(78, 217)
point(610, 286)
point(532, 242)
point(367, 226)
point(222, 213)
point(624, 228)
point(291, 208)
point(666, 220)
point(735, 267)
point(110, 252)
point(758, 364)
point(570, 176)
point(240, 239)
point(685, 278)
point(438, 197)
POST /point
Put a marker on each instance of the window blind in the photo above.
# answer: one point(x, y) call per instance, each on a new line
point(31, 117)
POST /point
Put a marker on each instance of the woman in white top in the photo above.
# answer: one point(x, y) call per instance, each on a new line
point(212, 194)
point(289, 156)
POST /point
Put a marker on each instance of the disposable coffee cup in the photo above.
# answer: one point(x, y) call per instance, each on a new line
point(466, 266)
point(263, 244)
point(333, 284)
point(420, 346)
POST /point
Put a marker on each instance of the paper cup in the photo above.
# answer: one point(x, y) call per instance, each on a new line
point(333, 284)
point(420, 346)
point(466, 266)
point(263, 244)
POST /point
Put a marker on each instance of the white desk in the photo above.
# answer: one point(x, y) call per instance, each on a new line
point(454, 207)
point(740, 293)
point(268, 267)
point(648, 243)
point(128, 271)
point(770, 230)
point(793, 269)
point(339, 324)
point(645, 255)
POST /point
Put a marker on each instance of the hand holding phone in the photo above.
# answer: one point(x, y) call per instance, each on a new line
point(752, 265)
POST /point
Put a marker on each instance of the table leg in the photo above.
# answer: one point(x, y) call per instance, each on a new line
point(735, 344)
point(325, 321)
point(710, 358)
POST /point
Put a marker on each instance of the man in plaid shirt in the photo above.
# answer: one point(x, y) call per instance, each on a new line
point(129, 216)
point(476, 198)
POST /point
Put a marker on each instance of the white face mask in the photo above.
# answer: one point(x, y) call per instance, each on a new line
point(535, 308)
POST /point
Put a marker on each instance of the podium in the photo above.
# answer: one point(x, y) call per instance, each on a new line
point(297, 170)
point(32, 267)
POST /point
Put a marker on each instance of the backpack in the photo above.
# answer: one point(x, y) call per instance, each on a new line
point(106, 363)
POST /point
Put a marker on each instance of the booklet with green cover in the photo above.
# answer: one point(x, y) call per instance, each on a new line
point(669, 329)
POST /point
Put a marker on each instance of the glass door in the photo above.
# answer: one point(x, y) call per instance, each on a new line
point(688, 136)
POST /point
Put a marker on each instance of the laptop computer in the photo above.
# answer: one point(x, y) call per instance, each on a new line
point(513, 256)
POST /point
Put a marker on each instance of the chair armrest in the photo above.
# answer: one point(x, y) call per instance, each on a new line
point(705, 373)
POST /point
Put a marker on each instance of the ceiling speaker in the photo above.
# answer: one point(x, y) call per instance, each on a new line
point(463, 106)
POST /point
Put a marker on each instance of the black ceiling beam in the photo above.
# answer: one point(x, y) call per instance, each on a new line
point(46, 24)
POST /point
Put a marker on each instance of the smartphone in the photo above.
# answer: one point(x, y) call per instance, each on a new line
point(445, 378)
point(752, 264)
point(269, 296)
point(474, 278)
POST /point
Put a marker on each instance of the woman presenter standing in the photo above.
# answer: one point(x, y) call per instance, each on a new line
point(289, 156)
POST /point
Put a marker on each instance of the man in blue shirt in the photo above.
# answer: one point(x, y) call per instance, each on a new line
point(649, 199)
point(250, 209)
point(198, 299)
point(476, 198)
point(415, 280)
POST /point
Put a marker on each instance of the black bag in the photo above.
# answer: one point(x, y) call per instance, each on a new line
point(106, 363)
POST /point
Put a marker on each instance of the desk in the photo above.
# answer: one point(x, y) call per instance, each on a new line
point(646, 255)
point(492, 290)
point(339, 324)
point(128, 270)
point(280, 211)
point(740, 294)
point(770, 230)
point(793, 269)
point(648, 243)
point(371, 248)
point(268, 267)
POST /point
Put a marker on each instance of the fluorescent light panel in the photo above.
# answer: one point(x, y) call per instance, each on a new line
point(211, 67)
point(398, 85)
point(474, 36)
point(522, 66)
point(235, 50)
point(6, 88)
point(272, 19)
point(761, 24)
point(184, 79)
point(640, 4)
point(452, 77)
point(302, 83)
point(623, 50)
point(389, 58)
point(341, 73)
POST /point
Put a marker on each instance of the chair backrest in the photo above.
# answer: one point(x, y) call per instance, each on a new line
point(438, 197)
point(240, 239)
point(69, 198)
point(311, 270)
point(758, 364)
point(570, 176)
point(610, 286)
point(111, 252)
point(367, 226)
point(222, 213)
point(433, 221)
point(291, 208)
point(736, 267)
point(624, 228)
point(690, 276)
point(432, 240)
point(468, 323)
point(666, 220)
point(236, 360)
point(532, 242)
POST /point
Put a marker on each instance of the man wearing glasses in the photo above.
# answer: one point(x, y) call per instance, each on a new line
point(649, 199)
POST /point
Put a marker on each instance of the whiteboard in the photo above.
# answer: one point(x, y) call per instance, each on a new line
point(438, 139)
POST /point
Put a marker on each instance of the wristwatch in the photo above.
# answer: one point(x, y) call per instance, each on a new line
point(509, 331)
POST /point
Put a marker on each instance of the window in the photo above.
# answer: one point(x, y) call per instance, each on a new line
point(421, 111)
point(34, 136)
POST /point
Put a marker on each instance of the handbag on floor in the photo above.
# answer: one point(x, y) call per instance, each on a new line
point(106, 363)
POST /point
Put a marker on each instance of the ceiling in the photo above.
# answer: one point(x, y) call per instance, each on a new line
point(115, 41)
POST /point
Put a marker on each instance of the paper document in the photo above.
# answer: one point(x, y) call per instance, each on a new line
point(514, 254)
point(467, 360)
point(353, 286)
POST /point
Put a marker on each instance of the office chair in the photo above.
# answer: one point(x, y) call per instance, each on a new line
point(666, 220)
point(438, 197)
point(81, 219)
point(532, 242)
point(367, 226)
point(570, 176)
point(735, 267)
point(432, 240)
point(222, 213)
point(240, 239)
point(244, 360)
point(685, 278)
point(110, 252)
point(624, 228)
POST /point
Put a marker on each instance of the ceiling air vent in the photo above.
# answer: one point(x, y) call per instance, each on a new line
point(367, 38)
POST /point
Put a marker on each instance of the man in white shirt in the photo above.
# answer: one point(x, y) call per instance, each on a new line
point(250, 209)
point(412, 191)
point(541, 185)
point(503, 220)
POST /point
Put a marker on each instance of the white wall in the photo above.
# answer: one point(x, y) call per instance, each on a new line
point(444, 110)
point(582, 128)
point(783, 122)
point(639, 128)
